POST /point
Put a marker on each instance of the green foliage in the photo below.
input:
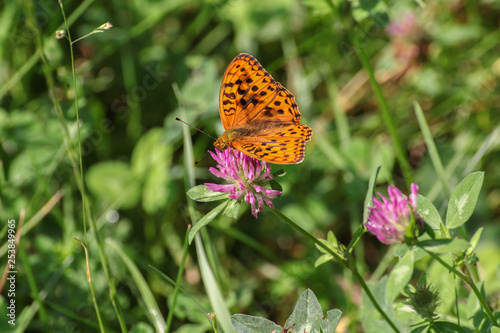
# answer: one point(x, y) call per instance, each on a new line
point(443, 246)
point(438, 82)
point(370, 318)
point(428, 212)
point(463, 200)
point(400, 276)
point(307, 316)
point(202, 194)
point(332, 243)
point(206, 219)
point(144, 289)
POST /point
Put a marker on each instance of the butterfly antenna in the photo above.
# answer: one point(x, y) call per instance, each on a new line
point(199, 130)
point(200, 158)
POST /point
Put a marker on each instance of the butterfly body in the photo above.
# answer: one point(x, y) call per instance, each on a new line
point(259, 115)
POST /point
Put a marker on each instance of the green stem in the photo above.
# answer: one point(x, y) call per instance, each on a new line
point(342, 261)
point(73, 72)
point(91, 286)
point(384, 109)
point(86, 206)
point(214, 323)
point(471, 283)
point(95, 31)
point(179, 278)
point(82, 187)
point(368, 293)
point(311, 237)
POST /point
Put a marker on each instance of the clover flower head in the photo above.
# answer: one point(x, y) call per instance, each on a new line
point(389, 218)
point(245, 176)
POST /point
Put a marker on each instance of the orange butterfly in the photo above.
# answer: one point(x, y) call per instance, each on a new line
point(259, 115)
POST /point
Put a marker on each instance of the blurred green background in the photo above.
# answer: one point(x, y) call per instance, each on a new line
point(164, 59)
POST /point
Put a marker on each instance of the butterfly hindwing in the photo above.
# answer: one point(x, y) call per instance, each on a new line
point(284, 147)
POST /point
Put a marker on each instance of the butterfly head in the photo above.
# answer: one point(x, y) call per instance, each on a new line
point(222, 143)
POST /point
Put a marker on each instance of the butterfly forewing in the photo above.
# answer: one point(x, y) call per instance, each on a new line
point(246, 88)
point(282, 109)
point(248, 91)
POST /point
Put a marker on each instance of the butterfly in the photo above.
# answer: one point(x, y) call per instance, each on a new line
point(260, 117)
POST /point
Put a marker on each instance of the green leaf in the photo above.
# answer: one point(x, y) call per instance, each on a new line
point(202, 194)
point(428, 212)
point(306, 313)
point(114, 182)
point(192, 328)
point(141, 327)
point(369, 193)
point(357, 236)
point(399, 277)
point(442, 246)
point(370, 318)
point(279, 173)
point(402, 249)
point(332, 243)
point(232, 208)
point(206, 219)
point(420, 328)
point(377, 10)
point(150, 150)
point(317, 8)
point(150, 162)
point(444, 281)
point(323, 259)
point(306, 317)
point(155, 193)
point(275, 185)
point(445, 327)
point(251, 324)
point(463, 200)
point(329, 324)
point(474, 240)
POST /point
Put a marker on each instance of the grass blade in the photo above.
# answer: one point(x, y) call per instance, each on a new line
point(433, 153)
point(147, 296)
point(212, 289)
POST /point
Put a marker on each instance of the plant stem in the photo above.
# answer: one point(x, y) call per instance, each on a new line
point(372, 299)
point(342, 261)
point(384, 109)
point(91, 286)
point(311, 237)
point(86, 209)
point(471, 283)
point(179, 277)
point(73, 72)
